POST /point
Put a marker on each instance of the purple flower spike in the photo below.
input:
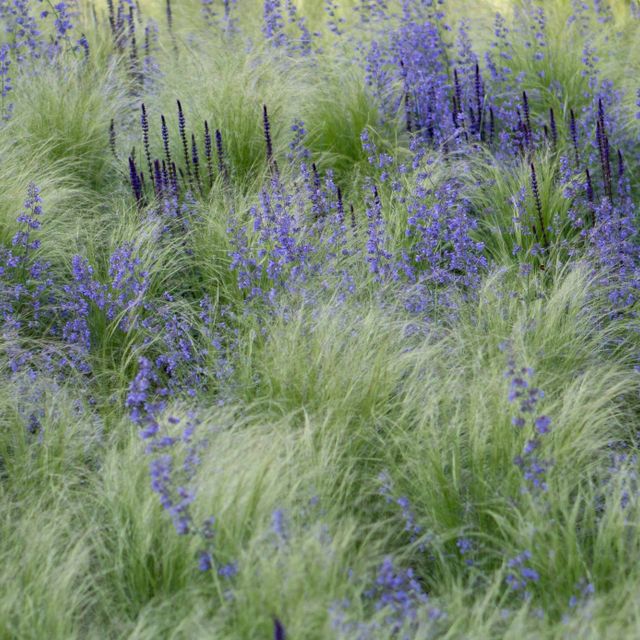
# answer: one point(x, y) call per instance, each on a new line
point(542, 424)
point(279, 632)
point(205, 562)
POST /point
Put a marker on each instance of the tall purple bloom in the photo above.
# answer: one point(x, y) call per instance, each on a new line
point(536, 197)
point(144, 123)
point(273, 23)
point(554, 129)
point(222, 165)
point(182, 129)
point(267, 134)
point(208, 152)
point(279, 632)
point(135, 179)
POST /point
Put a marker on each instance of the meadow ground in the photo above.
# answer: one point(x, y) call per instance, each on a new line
point(319, 319)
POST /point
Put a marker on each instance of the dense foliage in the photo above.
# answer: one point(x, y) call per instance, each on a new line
point(319, 319)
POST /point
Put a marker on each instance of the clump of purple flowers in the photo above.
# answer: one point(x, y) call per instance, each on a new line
point(273, 24)
point(5, 62)
point(61, 19)
point(398, 592)
point(525, 397)
point(585, 591)
point(521, 575)
point(22, 28)
point(411, 527)
point(172, 473)
point(280, 526)
point(466, 547)
point(25, 284)
point(33, 304)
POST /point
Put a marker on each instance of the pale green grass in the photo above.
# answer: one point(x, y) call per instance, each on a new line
point(326, 399)
point(435, 417)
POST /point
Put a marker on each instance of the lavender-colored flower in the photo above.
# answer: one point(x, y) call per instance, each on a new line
point(410, 526)
point(62, 20)
point(533, 468)
point(378, 257)
point(520, 575)
point(526, 398)
point(542, 424)
point(331, 9)
point(399, 593)
point(440, 228)
point(205, 561)
point(5, 63)
point(150, 68)
point(23, 29)
point(585, 592)
point(83, 44)
point(229, 570)
point(297, 151)
point(273, 24)
point(280, 526)
point(466, 548)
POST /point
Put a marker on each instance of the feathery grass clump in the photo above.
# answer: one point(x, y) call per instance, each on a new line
point(319, 320)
